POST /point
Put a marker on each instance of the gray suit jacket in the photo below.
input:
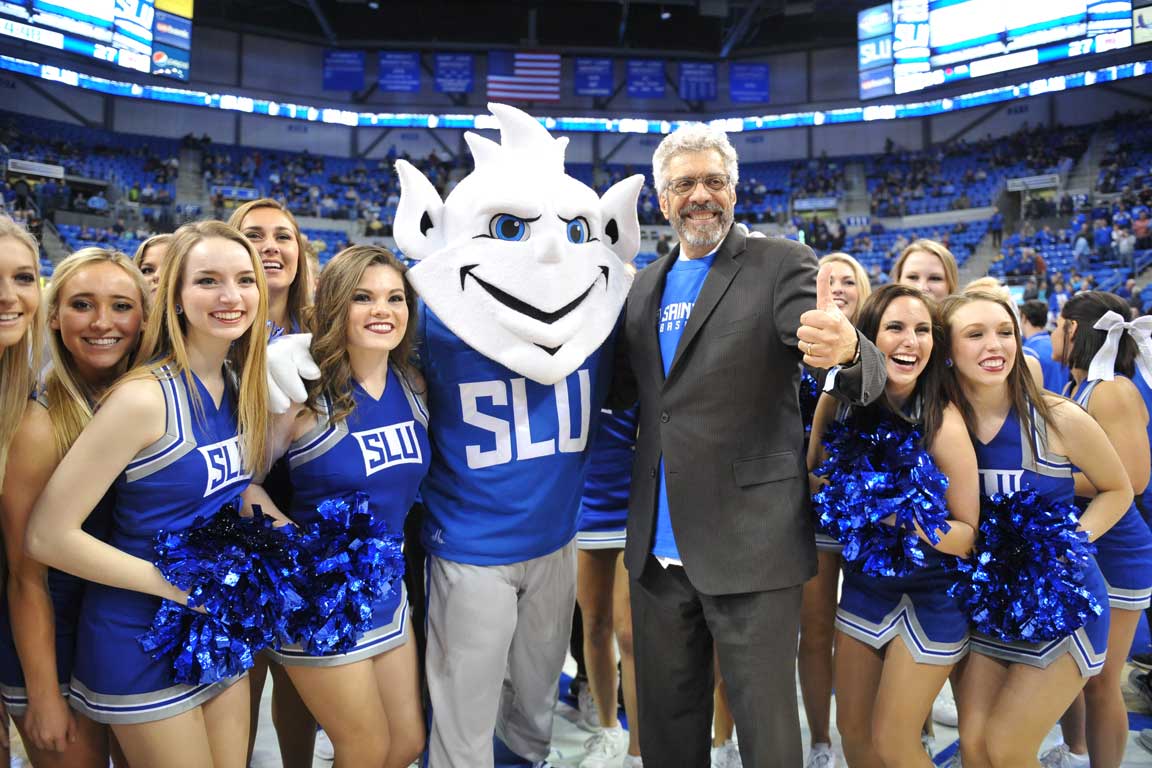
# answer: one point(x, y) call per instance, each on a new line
point(727, 418)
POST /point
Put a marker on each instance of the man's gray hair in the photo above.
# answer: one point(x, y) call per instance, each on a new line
point(694, 137)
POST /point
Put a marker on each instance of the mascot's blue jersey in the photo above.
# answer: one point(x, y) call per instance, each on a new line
point(508, 454)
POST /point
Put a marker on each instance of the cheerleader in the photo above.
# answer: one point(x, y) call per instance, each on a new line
point(175, 438)
point(19, 353)
point(929, 266)
point(850, 287)
point(602, 589)
point(96, 304)
point(275, 234)
point(150, 257)
point(885, 689)
point(273, 231)
point(363, 430)
point(1012, 692)
point(1094, 341)
point(19, 328)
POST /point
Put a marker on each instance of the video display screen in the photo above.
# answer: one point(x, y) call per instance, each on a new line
point(129, 33)
point(918, 44)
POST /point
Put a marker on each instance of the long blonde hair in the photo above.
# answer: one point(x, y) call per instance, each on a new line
point(863, 284)
point(163, 342)
point(70, 398)
point(300, 292)
point(142, 249)
point(329, 323)
point(20, 362)
point(937, 249)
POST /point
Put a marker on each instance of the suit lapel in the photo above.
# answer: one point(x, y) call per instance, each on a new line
point(720, 276)
point(651, 310)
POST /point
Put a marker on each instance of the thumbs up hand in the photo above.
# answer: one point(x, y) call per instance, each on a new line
point(825, 335)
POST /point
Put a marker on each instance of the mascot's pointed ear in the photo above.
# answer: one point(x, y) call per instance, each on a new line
point(485, 152)
point(618, 212)
point(419, 223)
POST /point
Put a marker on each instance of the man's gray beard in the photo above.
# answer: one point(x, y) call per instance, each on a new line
point(707, 237)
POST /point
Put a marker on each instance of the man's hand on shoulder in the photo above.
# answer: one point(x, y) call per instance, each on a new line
point(825, 336)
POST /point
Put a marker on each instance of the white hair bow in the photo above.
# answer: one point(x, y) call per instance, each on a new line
point(1103, 364)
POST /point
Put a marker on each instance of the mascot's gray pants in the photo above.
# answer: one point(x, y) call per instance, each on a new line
point(497, 640)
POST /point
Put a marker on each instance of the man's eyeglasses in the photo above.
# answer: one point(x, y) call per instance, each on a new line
point(685, 185)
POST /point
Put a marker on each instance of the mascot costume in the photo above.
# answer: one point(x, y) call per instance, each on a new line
point(522, 273)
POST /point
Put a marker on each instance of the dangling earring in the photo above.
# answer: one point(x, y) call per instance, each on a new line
point(179, 309)
point(948, 362)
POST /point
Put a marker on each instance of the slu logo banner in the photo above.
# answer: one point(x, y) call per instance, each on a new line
point(389, 446)
point(224, 465)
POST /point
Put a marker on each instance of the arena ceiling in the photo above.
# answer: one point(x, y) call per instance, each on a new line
point(709, 28)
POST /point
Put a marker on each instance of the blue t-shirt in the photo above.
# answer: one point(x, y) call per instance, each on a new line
point(1055, 374)
point(508, 454)
point(681, 287)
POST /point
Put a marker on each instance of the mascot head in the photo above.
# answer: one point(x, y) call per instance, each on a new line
point(523, 262)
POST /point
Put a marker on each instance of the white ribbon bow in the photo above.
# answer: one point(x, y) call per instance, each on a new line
point(1103, 366)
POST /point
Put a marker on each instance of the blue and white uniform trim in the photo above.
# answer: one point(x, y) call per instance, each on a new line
point(602, 539)
point(177, 439)
point(901, 622)
point(15, 698)
point(372, 643)
point(1124, 551)
point(1087, 658)
point(143, 707)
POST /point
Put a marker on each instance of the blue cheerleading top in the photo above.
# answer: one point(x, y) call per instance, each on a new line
point(1006, 464)
point(509, 454)
point(191, 471)
point(66, 592)
point(380, 448)
point(606, 489)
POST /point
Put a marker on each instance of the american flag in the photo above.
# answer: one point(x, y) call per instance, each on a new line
point(523, 76)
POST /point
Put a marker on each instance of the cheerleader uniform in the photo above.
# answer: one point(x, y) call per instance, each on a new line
point(190, 472)
point(382, 449)
point(604, 506)
point(66, 592)
point(1007, 465)
point(915, 608)
point(1124, 551)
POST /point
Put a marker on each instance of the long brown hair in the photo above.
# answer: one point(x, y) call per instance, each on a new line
point(300, 292)
point(929, 385)
point(20, 362)
point(1021, 388)
point(70, 398)
point(163, 342)
point(1086, 308)
point(329, 323)
point(142, 249)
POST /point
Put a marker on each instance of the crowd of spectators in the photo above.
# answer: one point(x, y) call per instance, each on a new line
point(961, 174)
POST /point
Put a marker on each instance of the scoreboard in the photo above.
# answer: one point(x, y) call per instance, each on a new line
point(911, 45)
point(140, 35)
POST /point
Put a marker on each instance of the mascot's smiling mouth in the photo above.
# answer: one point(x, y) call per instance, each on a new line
point(516, 305)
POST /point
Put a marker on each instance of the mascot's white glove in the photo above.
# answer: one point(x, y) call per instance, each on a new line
point(289, 363)
point(749, 232)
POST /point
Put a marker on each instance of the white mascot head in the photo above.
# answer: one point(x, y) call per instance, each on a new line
point(523, 262)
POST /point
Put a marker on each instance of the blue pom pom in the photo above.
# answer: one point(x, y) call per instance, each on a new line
point(349, 562)
point(809, 397)
point(240, 571)
point(1025, 581)
point(882, 487)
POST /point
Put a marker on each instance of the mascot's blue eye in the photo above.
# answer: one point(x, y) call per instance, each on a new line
point(505, 226)
point(578, 230)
